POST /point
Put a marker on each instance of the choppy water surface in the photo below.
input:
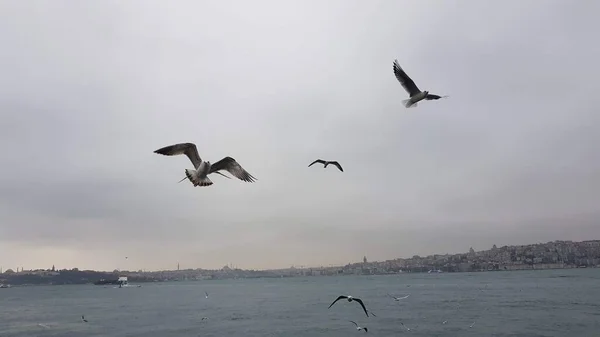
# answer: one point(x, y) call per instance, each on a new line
point(537, 303)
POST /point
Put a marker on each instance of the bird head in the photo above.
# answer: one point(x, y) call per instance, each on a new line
point(426, 92)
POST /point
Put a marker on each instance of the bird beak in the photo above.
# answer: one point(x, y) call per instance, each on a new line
point(182, 180)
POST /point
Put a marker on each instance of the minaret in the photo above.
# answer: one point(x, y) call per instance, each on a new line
point(177, 265)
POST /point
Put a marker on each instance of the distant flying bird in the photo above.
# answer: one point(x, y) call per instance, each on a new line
point(407, 328)
point(203, 318)
point(83, 319)
point(335, 163)
point(398, 298)
point(409, 85)
point(350, 299)
point(470, 326)
point(199, 176)
point(359, 327)
point(444, 322)
point(206, 294)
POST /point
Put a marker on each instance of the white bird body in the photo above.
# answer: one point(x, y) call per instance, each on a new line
point(200, 174)
point(412, 102)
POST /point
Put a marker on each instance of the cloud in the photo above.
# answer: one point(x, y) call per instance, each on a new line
point(89, 91)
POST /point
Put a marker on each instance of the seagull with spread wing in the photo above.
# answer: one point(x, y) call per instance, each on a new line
point(409, 85)
point(199, 176)
point(321, 161)
point(350, 299)
point(359, 327)
point(398, 298)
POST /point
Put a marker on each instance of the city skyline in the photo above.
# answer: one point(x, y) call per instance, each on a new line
point(364, 258)
point(88, 91)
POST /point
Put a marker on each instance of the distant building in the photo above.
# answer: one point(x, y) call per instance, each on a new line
point(364, 259)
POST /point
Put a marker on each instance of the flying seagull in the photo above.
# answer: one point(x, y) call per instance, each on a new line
point(409, 85)
point(407, 328)
point(398, 298)
point(350, 299)
point(83, 319)
point(199, 176)
point(206, 294)
point(360, 327)
point(335, 163)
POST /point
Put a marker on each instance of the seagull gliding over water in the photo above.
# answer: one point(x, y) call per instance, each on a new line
point(359, 327)
point(398, 298)
point(350, 299)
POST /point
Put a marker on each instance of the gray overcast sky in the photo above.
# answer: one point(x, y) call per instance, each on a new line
point(89, 89)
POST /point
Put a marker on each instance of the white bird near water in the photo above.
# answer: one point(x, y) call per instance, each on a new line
point(199, 176)
point(359, 327)
point(350, 299)
point(407, 328)
point(398, 298)
point(409, 85)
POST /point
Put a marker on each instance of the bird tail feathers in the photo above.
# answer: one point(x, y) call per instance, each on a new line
point(192, 175)
point(407, 103)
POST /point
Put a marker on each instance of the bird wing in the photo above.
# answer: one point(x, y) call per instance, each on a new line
point(404, 297)
point(317, 161)
point(189, 149)
point(362, 305)
point(337, 299)
point(430, 97)
point(407, 83)
point(354, 323)
point(337, 164)
point(222, 175)
point(366, 330)
point(230, 165)
point(372, 313)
